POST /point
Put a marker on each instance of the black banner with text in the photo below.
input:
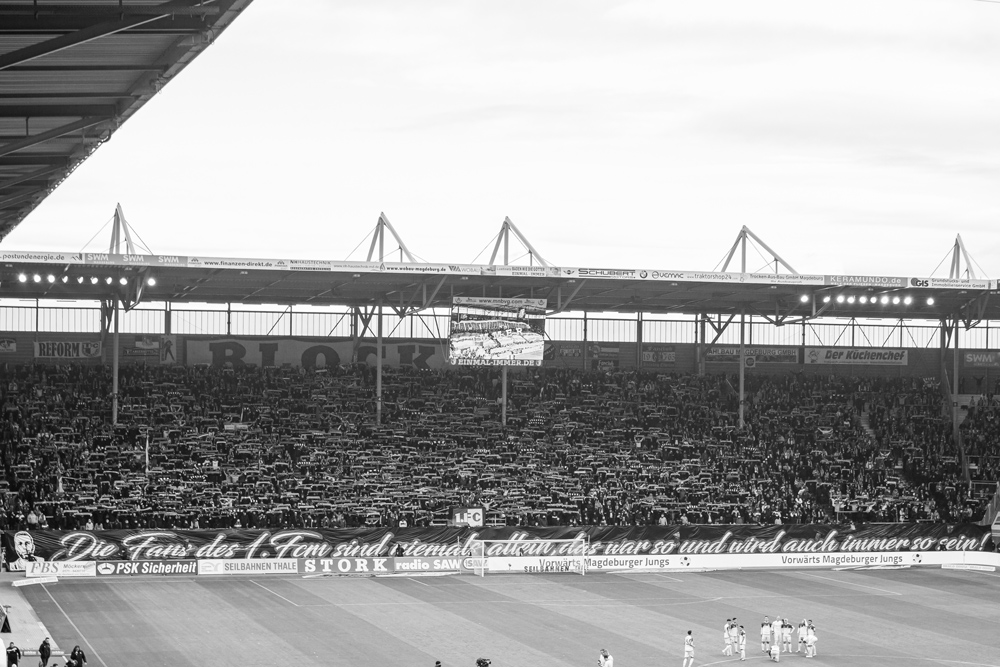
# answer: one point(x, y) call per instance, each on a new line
point(23, 547)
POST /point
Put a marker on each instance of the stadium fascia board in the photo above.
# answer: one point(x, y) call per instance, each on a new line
point(27, 259)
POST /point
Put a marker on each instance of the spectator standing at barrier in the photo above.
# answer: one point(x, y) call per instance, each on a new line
point(45, 652)
point(604, 659)
point(13, 655)
point(78, 656)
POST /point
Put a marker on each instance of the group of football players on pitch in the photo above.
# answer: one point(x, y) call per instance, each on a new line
point(775, 637)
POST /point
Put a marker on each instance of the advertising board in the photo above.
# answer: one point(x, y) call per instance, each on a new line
point(761, 355)
point(135, 568)
point(346, 565)
point(856, 356)
point(249, 566)
point(61, 569)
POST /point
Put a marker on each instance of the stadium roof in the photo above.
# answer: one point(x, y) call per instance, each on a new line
point(415, 286)
point(72, 71)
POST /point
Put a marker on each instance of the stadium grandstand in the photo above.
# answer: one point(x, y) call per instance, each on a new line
point(301, 419)
point(167, 394)
point(203, 412)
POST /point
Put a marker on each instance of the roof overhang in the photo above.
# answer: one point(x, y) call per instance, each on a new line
point(782, 298)
point(71, 72)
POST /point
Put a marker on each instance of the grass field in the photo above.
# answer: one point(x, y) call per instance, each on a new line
point(863, 618)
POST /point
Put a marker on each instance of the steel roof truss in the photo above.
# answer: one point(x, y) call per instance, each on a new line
point(561, 306)
point(974, 311)
point(721, 328)
point(30, 176)
point(67, 41)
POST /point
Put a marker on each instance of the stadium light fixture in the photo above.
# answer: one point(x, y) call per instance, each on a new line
point(37, 278)
point(108, 280)
point(151, 281)
point(863, 299)
point(123, 281)
point(79, 280)
point(826, 299)
point(930, 301)
point(804, 298)
point(895, 300)
point(65, 279)
point(21, 278)
point(840, 298)
point(850, 299)
point(51, 278)
point(884, 300)
point(907, 300)
point(93, 280)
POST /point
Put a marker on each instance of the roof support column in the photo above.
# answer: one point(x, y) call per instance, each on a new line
point(378, 367)
point(742, 365)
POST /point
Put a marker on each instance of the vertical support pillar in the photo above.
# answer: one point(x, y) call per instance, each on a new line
point(954, 397)
point(229, 319)
point(586, 345)
point(378, 368)
point(291, 332)
point(503, 396)
point(742, 365)
point(700, 348)
point(638, 340)
point(114, 368)
point(168, 325)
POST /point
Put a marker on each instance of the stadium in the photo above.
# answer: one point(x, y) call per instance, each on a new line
point(216, 460)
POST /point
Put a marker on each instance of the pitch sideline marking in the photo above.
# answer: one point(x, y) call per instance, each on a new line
point(82, 636)
point(880, 657)
point(294, 604)
point(849, 583)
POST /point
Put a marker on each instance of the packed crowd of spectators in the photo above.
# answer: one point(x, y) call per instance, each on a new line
point(204, 447)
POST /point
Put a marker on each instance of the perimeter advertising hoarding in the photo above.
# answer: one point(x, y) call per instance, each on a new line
point(658, 355)
point(61, 569)
point(346, 565)
point(68, 349)
point(497, 332)
point(761, 355)
point(855, 356)
point(981, 359)
point(871, 560)
point(219, 548)
point(247, 566)
point(136, 568)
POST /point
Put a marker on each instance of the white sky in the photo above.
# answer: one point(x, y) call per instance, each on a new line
point(853, 136)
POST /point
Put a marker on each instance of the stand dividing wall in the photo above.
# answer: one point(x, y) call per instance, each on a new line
point(978, 369)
